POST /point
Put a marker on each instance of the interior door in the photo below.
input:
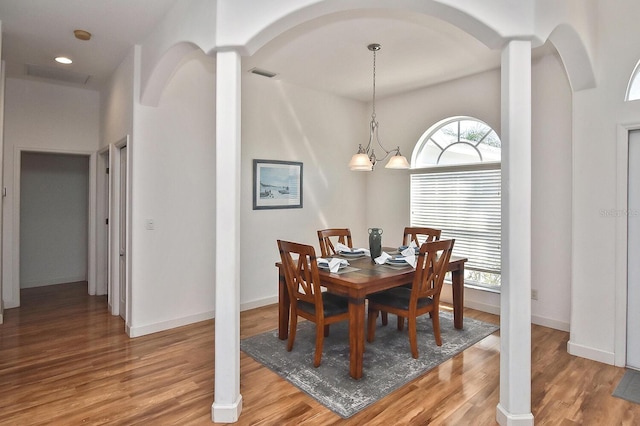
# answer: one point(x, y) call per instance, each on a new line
point(102, 235)
point(633, 241)
point(1, 174)
point(122, 244)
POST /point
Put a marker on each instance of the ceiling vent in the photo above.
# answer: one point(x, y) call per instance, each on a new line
point(262, 72)
point(58, 74)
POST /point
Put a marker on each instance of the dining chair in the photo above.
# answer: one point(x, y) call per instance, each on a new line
point(307, 299)
point(423, 296)
point(326, 245)
point(418, 235)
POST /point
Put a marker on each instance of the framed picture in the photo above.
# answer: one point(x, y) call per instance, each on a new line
point(277, 184)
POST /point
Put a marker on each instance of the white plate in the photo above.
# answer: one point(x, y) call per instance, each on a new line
point(352, 255)
point(396, 263)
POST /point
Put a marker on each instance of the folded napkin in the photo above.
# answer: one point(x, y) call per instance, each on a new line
point(409, 255)
point(333, 263)
point(344, 248)
point(382, 258)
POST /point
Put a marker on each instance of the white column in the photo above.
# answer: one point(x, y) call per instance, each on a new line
point(515, 304)
point(227, 403)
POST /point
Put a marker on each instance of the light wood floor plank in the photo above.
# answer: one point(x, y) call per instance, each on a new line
point(65, 360)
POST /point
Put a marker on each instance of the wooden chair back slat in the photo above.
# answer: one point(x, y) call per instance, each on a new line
point(420, 235)
point(327, 246)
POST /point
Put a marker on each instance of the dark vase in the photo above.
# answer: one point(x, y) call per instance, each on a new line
point(375, 242)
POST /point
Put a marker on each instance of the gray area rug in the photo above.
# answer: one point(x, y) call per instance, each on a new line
point(387, 363)
point(629, 386)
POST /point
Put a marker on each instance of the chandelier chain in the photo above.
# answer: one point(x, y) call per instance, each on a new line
point(373, 114)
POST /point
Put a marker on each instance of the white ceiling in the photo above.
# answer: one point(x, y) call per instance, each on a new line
point(329, 54)
point(36, 31)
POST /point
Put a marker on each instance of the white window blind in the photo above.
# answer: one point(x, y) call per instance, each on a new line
point(465, 205)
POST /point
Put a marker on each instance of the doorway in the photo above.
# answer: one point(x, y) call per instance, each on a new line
point(54, 219)
point(119, 219)
point(15, 226)
point(122, 232)
point(103, 196)
point(633, 251)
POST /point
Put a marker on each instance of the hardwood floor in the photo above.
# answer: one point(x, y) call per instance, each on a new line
point(65, 360)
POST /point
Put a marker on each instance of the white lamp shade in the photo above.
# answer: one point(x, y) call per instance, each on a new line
point(360, 163)
point(397, 162)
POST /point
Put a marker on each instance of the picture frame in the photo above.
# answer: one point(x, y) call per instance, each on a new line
point(277, 184)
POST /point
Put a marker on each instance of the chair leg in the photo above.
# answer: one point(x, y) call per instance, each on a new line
point(385, 317)
point(326, 330)
point(400, 323)
point(319, 341)
point(413, 338)
point(293, 325)
point(371, 324)
point(435, 320)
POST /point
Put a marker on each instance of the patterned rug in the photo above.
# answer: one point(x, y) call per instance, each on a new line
point(387, 363)
point(629, 386)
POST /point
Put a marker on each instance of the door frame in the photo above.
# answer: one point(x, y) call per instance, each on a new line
point(114, 230)
point(103, 204)
point(15, 243)
point(621, 242)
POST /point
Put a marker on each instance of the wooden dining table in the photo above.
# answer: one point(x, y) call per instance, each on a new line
point(356, 282)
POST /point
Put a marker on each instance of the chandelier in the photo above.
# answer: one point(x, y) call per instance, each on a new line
point(365, 158)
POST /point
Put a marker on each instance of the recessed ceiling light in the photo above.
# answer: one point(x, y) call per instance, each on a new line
point(63, 60)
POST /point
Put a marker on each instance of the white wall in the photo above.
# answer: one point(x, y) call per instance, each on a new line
point(54, 219)
point(551, 181)
point(172, 183)
point(405, 117)
point(116, 107)
point(46, 117)
point(286, 122)
point(597, 113)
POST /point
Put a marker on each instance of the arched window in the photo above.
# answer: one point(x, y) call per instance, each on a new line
point(633, 88)
point(455, 187)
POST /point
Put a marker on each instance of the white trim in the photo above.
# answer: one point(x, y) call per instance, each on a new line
point(226, 413)
point(590, 353)
point(258, 303)
point(505, 418)
point(114, 229)
point(484, 307)
point(53, 281)
point(550, 323)
point(102, 237)
point(622, 165)
point(167, 325)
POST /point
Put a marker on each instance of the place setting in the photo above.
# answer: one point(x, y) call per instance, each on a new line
point(351, 253)
point(406, 257)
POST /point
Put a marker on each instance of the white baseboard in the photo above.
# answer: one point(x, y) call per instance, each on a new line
point(167, 325)
point(226, 413)
point(495, 310)
point(535, 319)
point(258, 303)
point(590, 353)
point(504, 418)
point(52, 281)
point(179, 322)
point(551, 323)
point(11, 303)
